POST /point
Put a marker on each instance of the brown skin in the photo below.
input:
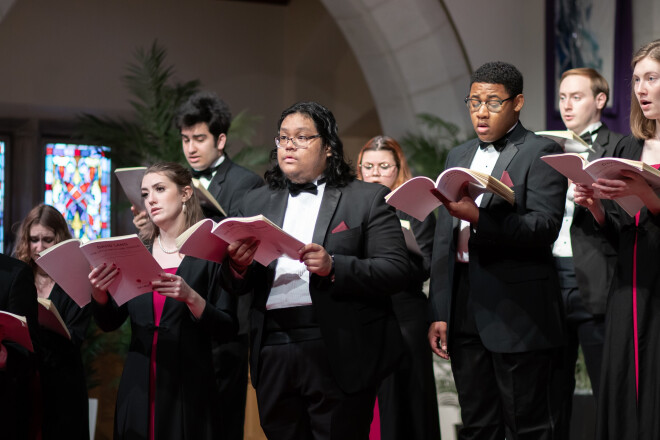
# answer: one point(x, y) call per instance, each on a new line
point(489, 127)
point(300, 165)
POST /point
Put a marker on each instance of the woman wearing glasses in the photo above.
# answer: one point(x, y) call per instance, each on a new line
point(407, 398)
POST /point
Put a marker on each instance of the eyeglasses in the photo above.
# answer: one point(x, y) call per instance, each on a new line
point(301, 142)
point(385, 168)
point(493, 105)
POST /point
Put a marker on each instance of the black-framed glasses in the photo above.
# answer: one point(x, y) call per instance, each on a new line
point(384, 168)
point(493, 105)
point(297, 141)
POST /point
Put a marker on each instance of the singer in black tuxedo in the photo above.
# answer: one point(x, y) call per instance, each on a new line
point(494, 290)
point(204, 121)
point(585, 259)
point(18, 380)
point(593, 256)
point(229, 183)
point(318, 357)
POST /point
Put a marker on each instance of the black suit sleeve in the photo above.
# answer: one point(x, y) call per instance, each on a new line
point(247, 182)
point(108, 316)
point(420, 266)
point(538, 226)
point(76, 318)
point(219, 315)
point(381, 267)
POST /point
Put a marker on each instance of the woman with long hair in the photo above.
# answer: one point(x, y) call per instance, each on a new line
point(407, 404)
point(629, 399)
point(167, 388)
point(64, 390)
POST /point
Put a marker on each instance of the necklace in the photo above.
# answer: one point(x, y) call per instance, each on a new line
point(163, 249)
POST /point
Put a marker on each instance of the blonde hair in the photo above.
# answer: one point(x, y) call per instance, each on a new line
point(640, 126)
point(598, 82)
point(385, 143)
point(182, 178)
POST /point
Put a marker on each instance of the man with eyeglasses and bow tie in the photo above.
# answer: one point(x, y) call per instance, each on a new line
point(585, 259)
point(203, 121)
point(495, 298)
point(322, 329)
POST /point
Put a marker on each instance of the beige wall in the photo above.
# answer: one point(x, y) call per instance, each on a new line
point(65, 57)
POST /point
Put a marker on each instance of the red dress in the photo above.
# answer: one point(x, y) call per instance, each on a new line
point(158, 302)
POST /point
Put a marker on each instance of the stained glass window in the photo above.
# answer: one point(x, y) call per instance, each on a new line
point(2, 196)
point(78, 185)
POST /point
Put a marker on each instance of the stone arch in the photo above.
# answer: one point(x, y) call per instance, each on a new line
point(411, 56)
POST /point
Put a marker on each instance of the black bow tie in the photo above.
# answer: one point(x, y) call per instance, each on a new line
point(498, 144)
point(297, 188)
point(588, 136)
point(204, 173)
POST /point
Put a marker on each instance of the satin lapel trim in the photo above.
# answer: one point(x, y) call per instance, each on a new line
point(275, 210)
point(599, 145)
point(327, 210)
point(506, 156)
point(468, 156)
point(219, 178)
point(465, 161)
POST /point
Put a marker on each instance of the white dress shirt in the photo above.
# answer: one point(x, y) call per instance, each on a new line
point(206, 181)
point(291, 284)
point(562, 246)
point(484, 161)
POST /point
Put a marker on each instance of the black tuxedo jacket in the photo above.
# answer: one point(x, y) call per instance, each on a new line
point(354, 312)
point(514, 292)
point(594, 256)
point(229, 185)
point(17, 380)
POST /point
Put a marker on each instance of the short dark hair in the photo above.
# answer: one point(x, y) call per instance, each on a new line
point(204, 107)
point(338, 171)
point(499, 72)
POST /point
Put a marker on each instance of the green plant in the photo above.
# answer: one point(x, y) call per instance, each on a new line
point(98, 343)
point(149, 136)
point(242, 130)
point(426, 150)
point(582, 381)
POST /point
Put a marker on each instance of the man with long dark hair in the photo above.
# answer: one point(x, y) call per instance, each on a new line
point(322, 328)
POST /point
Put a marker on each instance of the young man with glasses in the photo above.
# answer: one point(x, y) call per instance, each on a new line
point(584, 257)
point(322, 327)
point(494, 292)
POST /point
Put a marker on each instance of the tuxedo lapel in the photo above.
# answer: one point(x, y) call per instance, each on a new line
point(329, 204)
point(216, 183)
point(465, 160)
point(600, 145)
point(516, 138)
point(274, 210)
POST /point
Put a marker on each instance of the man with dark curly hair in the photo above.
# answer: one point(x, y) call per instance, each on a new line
point(204, 121)
point(495, 296)
point(322, 330)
